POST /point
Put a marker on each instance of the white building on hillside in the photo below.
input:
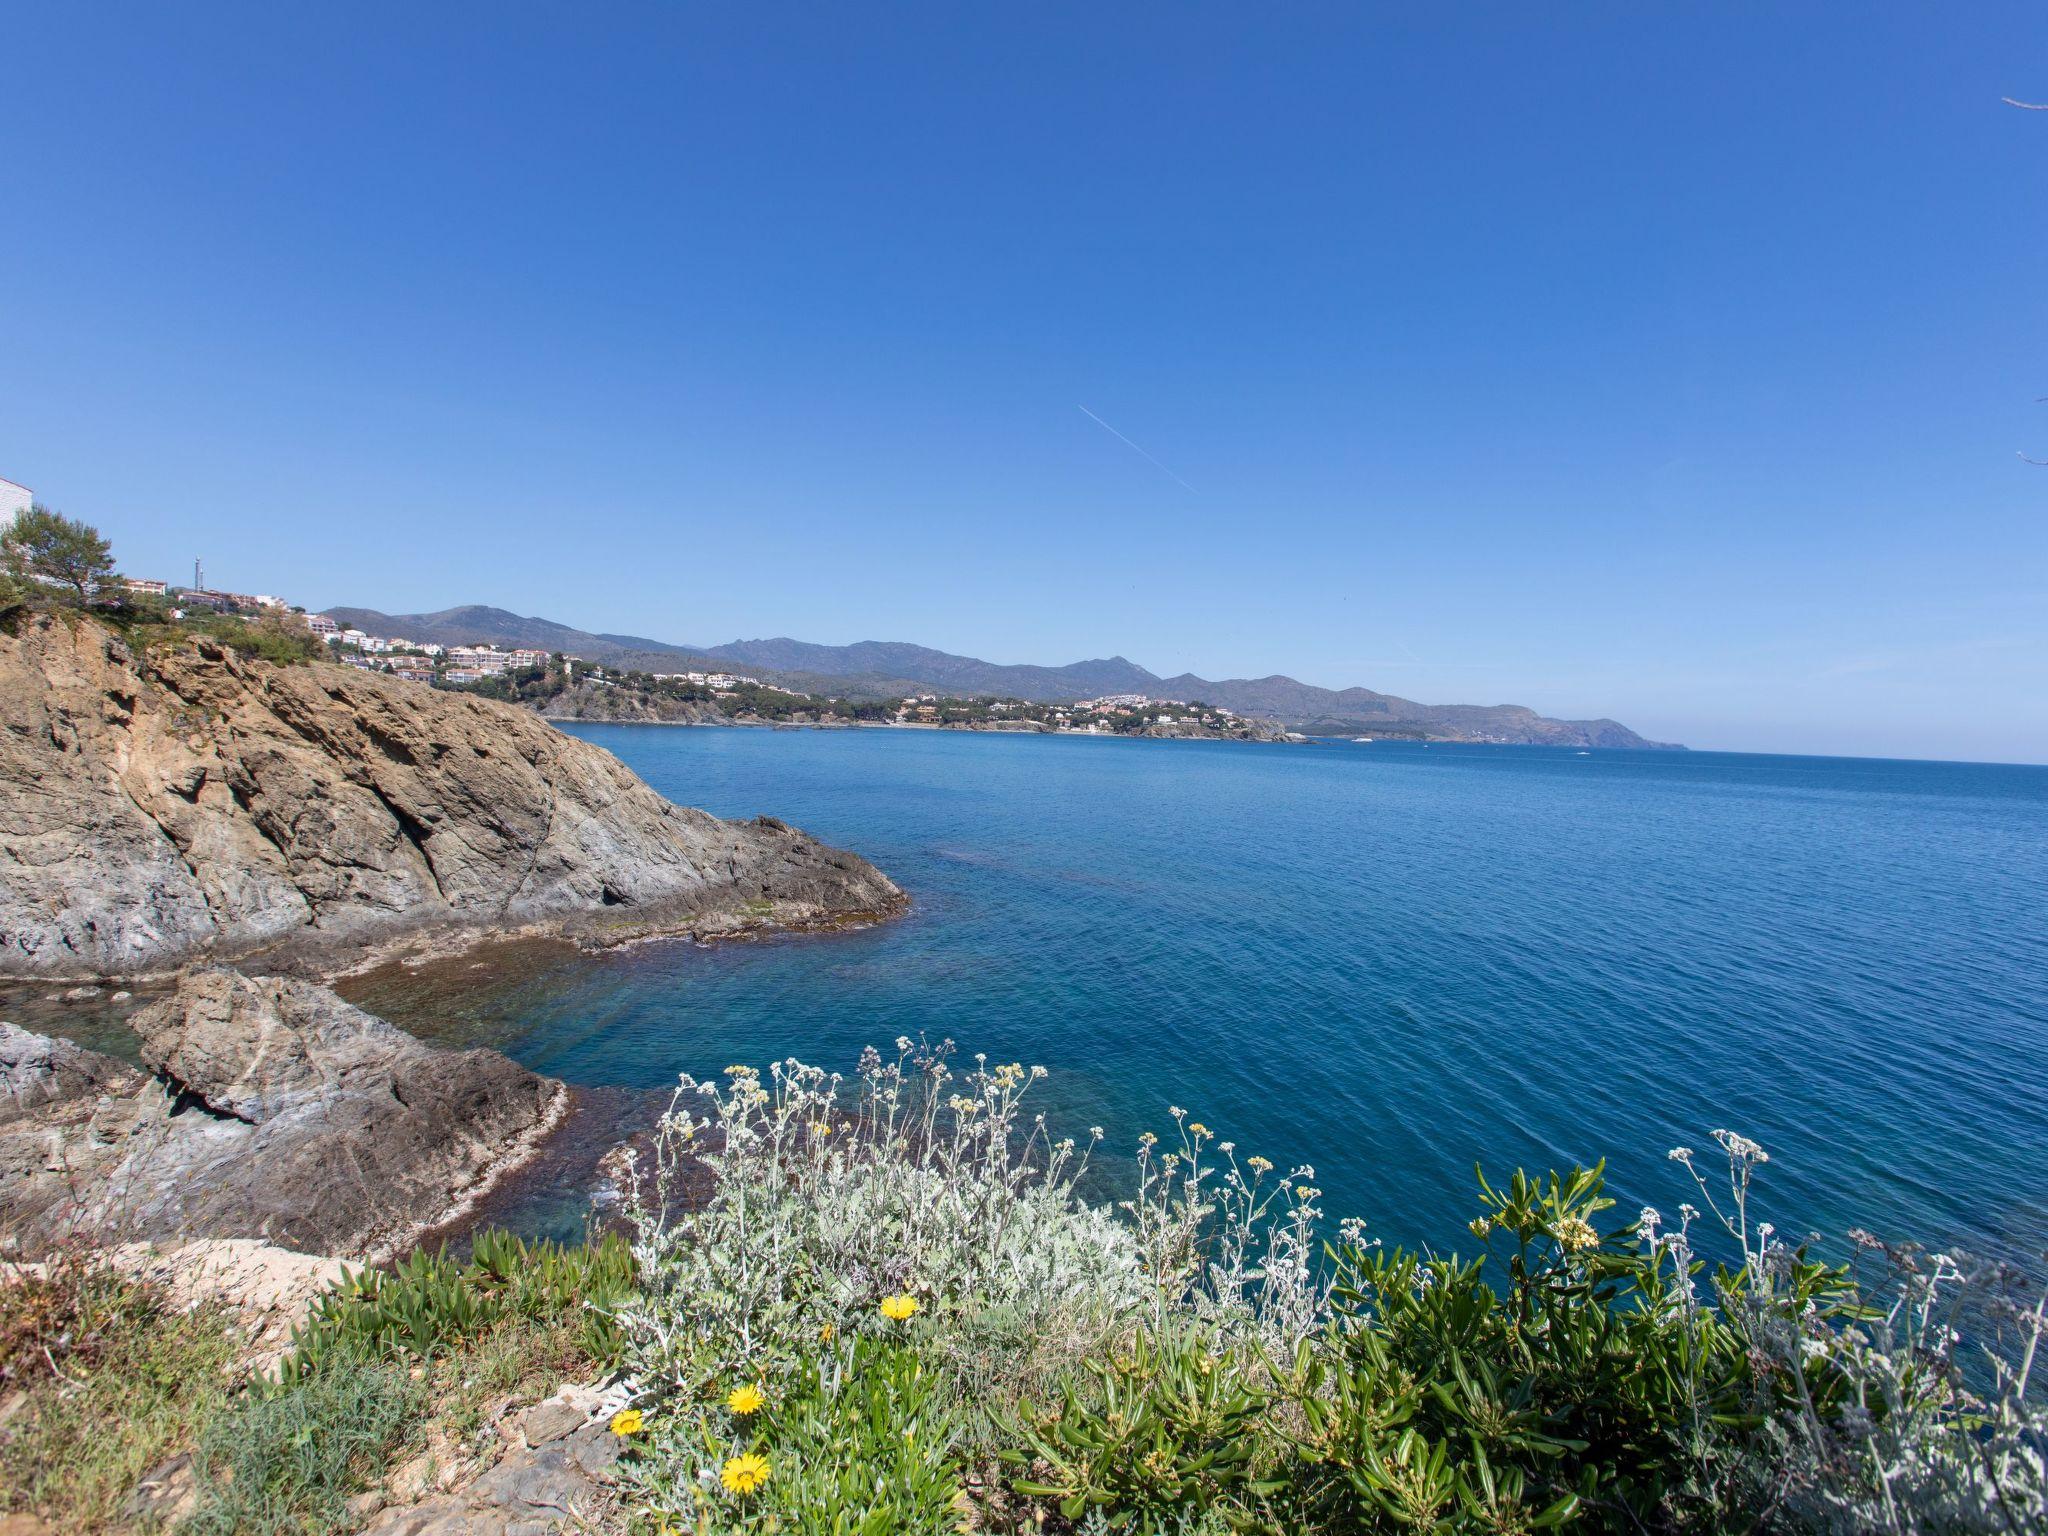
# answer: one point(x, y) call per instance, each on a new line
point(14, 500)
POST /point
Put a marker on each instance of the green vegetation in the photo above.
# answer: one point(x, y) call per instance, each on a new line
point(111, 1379)
point(430, 1303)
point(287, 1459)
point(115, 1380)
point(53, 562)
point(146, 624)
point(883, 1307)
point(1211, 1361)
point(50, 549)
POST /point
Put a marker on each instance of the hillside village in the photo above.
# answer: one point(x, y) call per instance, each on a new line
point(565, 686)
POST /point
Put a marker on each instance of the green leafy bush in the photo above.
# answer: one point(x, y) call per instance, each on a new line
point(1172, 1428)
point(1577, 1393)
point(430, 1303)
point(1212, 1362)
point(856, 1443)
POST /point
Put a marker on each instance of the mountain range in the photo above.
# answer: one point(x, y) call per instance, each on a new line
point(887, 669)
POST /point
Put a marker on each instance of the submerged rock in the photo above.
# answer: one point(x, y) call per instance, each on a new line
point(189, 802)
point(277, 1111)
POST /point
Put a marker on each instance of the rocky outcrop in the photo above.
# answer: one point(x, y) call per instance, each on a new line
point(276, 1111)
point(36, 1070)
point(1240, 729)
point(628, 706)
point(185, 803)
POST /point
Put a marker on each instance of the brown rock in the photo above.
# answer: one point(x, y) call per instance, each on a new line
point(158, 808)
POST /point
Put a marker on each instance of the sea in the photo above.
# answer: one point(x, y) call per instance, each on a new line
point(1394, 963)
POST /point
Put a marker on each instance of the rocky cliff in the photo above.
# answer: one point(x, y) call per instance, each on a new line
point(189, 802)
point(275, 1111)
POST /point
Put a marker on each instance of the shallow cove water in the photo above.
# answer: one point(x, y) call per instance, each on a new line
point(1389, 961)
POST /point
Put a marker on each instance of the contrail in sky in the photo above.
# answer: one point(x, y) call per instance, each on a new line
point(1112, 431)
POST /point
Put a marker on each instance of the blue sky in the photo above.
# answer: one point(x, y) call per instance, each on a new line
point(1667, 362)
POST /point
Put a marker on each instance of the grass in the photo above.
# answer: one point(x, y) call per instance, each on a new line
point(286, 1459)
point(114, 1381)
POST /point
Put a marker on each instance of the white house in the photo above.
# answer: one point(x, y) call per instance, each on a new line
point(14, 500)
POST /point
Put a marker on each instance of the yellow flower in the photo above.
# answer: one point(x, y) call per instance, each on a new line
point(743, 1474)
point(628, 1421)
point(746, 1399)
point(899, 1308)
point(825, 1333)
point(1574, 1233)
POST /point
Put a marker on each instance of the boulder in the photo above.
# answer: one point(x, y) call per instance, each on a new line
point(36, 1070)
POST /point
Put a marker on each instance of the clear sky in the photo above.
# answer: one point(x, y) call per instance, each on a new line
point(1667, 362)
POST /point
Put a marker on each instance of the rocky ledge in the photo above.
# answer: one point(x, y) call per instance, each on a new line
point(269, 1109)
point(158, 808)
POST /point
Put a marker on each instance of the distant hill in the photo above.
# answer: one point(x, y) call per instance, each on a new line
point(881, 669)
point(477, 624)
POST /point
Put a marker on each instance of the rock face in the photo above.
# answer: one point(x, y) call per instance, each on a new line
point(277, 1111)
point(155, 809)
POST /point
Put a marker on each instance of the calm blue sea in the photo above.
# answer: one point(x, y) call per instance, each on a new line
point(1394, 961)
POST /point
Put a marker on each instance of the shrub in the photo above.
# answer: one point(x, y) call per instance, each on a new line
point(857, 1443)
point(430, 1303)
point(286, 643)
point(1171, 1429)
point(928, 1188)
point(1202, 1360)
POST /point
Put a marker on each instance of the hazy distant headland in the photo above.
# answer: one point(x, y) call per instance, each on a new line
point(885, 669)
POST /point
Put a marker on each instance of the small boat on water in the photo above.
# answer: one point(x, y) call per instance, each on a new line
point(1367, 739)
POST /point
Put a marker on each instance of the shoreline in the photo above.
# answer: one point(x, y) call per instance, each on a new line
point(318, 958)
point(1290, 738)
point(517, 1155)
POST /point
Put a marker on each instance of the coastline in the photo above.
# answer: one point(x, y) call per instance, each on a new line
point(517, 1154)
point(1285, 738)
point(589, 932)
